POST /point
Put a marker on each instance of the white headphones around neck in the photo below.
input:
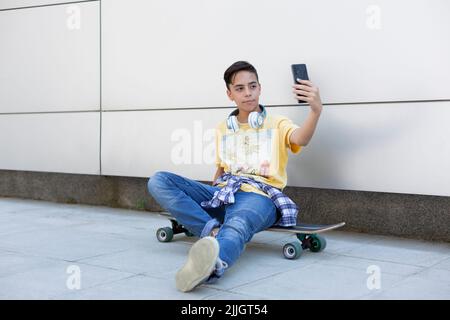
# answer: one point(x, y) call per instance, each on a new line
point(255, 119)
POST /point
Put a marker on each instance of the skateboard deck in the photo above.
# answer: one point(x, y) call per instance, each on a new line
point(306, 228)
point(307, 234)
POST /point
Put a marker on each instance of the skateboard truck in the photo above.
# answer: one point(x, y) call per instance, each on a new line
point(166, 234)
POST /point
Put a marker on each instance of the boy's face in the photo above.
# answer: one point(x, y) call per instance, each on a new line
point(244, 91)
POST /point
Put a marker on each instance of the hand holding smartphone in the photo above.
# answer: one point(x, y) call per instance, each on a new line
point(299, 72)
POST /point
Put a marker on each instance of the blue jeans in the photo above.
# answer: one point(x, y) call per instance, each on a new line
point(181, 197)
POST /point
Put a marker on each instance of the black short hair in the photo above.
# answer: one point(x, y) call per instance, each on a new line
point(229, 74)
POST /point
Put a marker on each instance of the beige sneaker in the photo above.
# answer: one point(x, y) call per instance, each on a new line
point(200, 264)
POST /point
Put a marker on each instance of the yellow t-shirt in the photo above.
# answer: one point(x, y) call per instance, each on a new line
point(261, 154)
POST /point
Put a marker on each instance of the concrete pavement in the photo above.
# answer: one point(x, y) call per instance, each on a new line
point(66, 251)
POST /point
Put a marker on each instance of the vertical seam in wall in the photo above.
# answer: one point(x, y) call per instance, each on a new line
point(100, 78)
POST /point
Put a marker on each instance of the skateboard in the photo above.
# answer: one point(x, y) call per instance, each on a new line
point(308, 235)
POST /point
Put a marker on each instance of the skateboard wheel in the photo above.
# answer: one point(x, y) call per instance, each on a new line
point(318, 243)
point(292, 250)
point(164, 234)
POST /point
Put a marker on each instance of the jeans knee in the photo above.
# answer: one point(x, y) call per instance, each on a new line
point(155, 182)
point(240, 226)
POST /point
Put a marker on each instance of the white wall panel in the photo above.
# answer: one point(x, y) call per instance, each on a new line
point(138, 143)
point(400, 148)
point(47, 63)
point(60, 142)
point(159, 54)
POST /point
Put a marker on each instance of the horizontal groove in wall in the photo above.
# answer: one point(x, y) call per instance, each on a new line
point(286, 105)
point(47, 112)
point(227, 107)
point(48, 5)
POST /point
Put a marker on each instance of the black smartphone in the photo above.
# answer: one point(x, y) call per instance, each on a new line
point(299, 72)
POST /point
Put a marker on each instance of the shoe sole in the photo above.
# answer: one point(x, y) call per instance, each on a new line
point(200, 264)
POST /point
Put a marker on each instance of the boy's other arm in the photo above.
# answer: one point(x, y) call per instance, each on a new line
point(306, 91)
point(218, 173)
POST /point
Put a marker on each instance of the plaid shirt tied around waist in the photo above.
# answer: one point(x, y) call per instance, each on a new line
point(225, 195)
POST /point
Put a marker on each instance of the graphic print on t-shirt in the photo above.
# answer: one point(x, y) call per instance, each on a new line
point(251, 152)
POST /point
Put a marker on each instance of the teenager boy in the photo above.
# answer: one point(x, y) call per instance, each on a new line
point(246, 196)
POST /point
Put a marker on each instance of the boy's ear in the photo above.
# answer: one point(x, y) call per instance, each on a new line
point(229, 95)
